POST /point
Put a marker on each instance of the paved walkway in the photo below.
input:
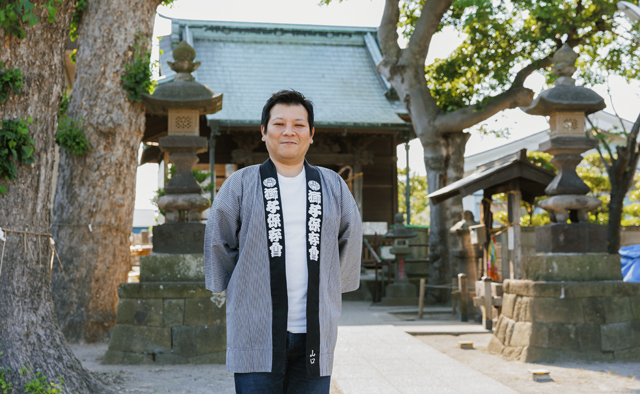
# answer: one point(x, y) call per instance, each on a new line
point(382, 358)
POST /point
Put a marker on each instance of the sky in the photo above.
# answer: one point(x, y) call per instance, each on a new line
point(626, 97)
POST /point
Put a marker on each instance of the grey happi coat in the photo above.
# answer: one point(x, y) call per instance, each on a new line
point(236, 258)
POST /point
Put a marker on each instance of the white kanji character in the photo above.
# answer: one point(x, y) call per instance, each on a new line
point(275, 235)
point(314, 224)
point(314, 239)
point(273, 220)
point(271, 194)
point(273, 206)
point(315, 210)
point(276, 250)
point(314, 253)
point(315, 197)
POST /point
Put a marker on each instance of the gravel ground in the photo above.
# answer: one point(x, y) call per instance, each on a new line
point(176, 379)
point(566, 377)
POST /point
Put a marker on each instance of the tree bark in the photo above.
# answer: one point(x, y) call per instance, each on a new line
point(29, 335)
point(95, 197)
point(615, 217)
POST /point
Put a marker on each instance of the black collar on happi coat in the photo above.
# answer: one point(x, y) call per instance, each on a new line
point(276, 242)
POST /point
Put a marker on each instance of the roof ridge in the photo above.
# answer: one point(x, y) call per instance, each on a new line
point(270, 25)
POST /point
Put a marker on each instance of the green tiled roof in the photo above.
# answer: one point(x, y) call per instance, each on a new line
point(247, 62)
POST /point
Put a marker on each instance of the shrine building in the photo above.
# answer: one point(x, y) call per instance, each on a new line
point(359, 121)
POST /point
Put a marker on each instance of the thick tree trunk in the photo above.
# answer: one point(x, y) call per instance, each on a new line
point(95, 197)
point(29, 334)
point(444, 161)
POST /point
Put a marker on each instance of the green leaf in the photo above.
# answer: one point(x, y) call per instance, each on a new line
point(27, 151)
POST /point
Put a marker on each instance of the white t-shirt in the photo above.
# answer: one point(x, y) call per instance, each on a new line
point(294, 206)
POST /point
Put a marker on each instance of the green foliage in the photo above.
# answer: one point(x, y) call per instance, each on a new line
point(64, 104)
point(15, 146)
point(593, 172)
point(72, 56)
point(200, 176)
point(71, 136)
point(168, 3)
point(14, 14)
point(542, 160)
point(10, 81)
point(40, 385)
point(5, 387)
point(419, 200)
point(75, 20)
point(138, 76)
point(503, 36)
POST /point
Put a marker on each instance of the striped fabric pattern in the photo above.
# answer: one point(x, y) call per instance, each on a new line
point(236, 260)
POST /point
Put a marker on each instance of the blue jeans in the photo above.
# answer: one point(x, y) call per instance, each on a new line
point(293, 381)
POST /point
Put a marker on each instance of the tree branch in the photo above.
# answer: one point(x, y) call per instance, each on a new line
point(426, 26)
point(388, 31)
point(522, 75)
point(607, 166)
point(468, 116)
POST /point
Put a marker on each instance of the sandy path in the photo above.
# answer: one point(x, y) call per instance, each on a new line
point(566, 378)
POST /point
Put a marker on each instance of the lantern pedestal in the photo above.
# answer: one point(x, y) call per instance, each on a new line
point(179, 238)
point(169, 317)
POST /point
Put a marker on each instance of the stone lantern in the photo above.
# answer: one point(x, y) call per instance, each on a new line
point(571, 302)
point(400, 292)
point(184, 101)
point(567, 105)
point(170, 317)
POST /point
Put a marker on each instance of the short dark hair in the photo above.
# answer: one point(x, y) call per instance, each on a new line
point(287, 97)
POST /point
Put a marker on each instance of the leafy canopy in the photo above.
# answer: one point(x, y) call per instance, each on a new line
point(504, 36)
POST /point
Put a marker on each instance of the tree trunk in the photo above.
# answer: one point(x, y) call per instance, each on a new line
point(615, 216)
point(444, 161)
point(29, 335)
point(95, 197)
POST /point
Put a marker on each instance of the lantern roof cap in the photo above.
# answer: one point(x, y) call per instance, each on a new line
point(183, 92)
point(399, 230)
point(565, 96)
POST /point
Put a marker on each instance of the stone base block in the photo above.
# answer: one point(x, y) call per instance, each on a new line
point(400, 294)
point(572, 267)
point(172, 268)
point(571, 238)
point(168, 323)
point(593, 321)
point(179, 238)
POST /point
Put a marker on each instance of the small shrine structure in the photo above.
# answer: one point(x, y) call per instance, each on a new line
point(512, 174)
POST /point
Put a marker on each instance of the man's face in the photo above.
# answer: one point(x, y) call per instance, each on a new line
point(287, 135)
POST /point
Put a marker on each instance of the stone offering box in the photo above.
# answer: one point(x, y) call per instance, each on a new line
point(169, 317)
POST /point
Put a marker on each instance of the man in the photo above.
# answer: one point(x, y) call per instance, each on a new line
point(284, 240)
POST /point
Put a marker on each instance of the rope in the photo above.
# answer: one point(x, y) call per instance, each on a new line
point(27, 248)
